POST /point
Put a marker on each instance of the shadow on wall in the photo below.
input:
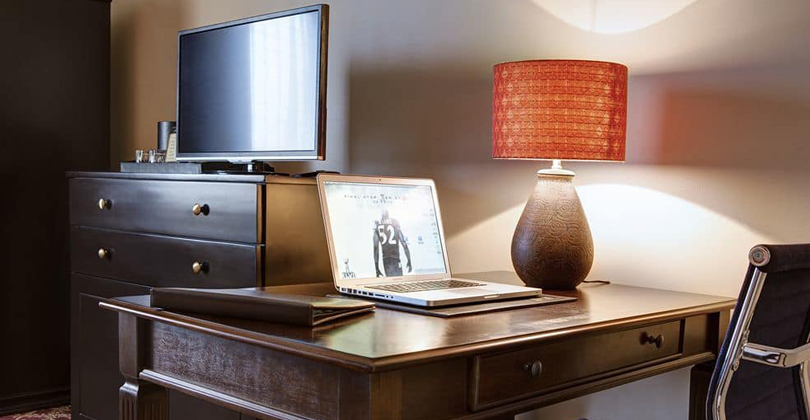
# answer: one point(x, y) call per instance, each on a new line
point(733, 130)
point(751, 118)
point(734, 142)
point(143, 65)
point(419, 117)
point(429, 123)
point(695, 136)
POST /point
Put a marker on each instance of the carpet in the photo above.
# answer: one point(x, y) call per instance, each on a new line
point(58, 413)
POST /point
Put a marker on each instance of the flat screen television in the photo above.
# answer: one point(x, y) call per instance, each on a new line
point(254, 89)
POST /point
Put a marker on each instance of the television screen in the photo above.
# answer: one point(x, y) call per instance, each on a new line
point(253, 89)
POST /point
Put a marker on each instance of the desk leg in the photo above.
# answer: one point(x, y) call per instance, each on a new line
point(702, 374)
point(137, 400)
point(386, 396)
point(698, 390)
point(142, 401)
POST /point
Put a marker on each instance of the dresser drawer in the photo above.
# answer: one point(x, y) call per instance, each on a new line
point(500, 378)
point(161, 261)
point(208, 210)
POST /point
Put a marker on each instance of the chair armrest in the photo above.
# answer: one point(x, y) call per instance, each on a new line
point(774, 356)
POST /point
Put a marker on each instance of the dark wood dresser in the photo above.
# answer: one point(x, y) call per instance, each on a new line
point(131, 232)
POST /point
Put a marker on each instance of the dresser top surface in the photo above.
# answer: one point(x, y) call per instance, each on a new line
point(243, 178)
point(387, 339)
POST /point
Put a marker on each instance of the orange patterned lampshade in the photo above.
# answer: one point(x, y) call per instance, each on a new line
point(559, 109)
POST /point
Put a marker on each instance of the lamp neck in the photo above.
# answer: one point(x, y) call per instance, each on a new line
point(555, 170)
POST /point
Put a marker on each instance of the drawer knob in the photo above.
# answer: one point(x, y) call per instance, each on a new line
point(534, 368)
point(103, 253)
point(198, 209)
point(104, 204)
point(649, 339)
point(198, 267)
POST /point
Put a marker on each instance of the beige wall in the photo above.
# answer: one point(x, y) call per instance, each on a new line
point(718, 132)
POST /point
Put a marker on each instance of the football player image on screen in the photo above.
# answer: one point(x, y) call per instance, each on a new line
point(387, 240)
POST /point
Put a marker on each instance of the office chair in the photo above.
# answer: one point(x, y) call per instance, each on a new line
point(762, 368)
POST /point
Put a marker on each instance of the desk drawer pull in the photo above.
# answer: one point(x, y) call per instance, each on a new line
point(104, 204)
point(103, 254)
point(198, 209)
point(649, 339)
point(534, 368)
point(198, 267)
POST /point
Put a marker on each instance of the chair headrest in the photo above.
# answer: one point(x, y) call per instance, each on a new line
point(777, 258)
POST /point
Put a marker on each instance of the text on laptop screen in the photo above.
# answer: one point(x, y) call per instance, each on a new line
point(381, 230)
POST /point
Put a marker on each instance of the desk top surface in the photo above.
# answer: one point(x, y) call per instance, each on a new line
point(389, 339)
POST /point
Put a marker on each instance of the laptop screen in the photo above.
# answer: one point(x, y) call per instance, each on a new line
point(384, 230)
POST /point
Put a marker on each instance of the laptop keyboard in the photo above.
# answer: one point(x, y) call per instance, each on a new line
point(421, 286)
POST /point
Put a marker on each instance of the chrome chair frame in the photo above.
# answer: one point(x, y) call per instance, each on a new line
point(740, 349)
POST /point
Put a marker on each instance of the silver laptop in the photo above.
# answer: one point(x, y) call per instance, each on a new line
point(386, 242)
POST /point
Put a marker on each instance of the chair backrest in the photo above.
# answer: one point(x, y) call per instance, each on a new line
point(762, 369)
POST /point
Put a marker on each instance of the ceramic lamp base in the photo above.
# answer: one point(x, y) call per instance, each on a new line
point(552, 247)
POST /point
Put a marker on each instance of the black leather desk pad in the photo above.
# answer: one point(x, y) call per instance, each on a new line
point(468, 309)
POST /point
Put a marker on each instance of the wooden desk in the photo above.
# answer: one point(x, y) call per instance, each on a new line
point(396, 365)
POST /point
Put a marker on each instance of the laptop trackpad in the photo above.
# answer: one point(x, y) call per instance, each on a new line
point(468, 291)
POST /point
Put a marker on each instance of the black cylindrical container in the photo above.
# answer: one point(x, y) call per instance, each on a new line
point(164, 129)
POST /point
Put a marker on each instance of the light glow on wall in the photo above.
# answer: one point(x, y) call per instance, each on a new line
point(641, 237)
point(638, 231)
point(613, 16)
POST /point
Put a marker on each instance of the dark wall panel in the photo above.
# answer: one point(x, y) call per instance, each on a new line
point(54, 116)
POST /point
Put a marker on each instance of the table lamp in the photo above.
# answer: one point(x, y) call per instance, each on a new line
point(557, 110)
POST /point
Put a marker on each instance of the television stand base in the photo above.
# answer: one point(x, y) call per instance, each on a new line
point(254, 167)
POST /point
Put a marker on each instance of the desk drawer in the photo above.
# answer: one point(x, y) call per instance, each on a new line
point(227, 211)
point(161, 261)
point(502, 377)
